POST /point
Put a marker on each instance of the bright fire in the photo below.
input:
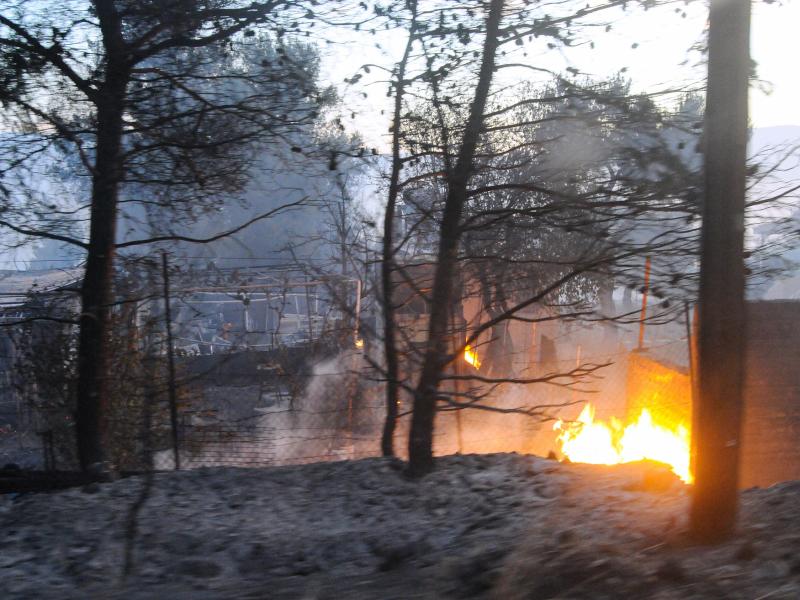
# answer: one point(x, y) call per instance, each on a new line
point(599, 443)
point(471, 356)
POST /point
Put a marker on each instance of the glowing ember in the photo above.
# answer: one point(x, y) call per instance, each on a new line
point(471, 356)
point(599, 443)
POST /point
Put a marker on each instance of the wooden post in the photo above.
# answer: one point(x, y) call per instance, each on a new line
point(643, 314)
point(173, 403)
point(721, 339)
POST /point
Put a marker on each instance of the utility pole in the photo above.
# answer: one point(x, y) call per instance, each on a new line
point(721, 339)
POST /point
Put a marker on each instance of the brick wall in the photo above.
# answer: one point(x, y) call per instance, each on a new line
point(771, 427)
point(771, 435)
point(662, 387)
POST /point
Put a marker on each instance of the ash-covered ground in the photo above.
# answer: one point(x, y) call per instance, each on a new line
point(500, 526)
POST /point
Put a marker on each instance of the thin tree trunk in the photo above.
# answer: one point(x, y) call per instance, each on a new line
point(387, 262)
point(420, 446)
point(721, 340)
point(97, 289)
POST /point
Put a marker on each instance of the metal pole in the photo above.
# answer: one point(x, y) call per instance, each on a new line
point(721, 339)
point(357, 312)
point(690, 350)
point(643, 314)
point(691, 342)
point(308, 316)
point(173, 403)
point(573, 393)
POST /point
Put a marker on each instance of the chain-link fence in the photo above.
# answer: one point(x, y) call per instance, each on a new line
point(294, 407)
point(320, 399)
point(217, 366)
point(247, 404)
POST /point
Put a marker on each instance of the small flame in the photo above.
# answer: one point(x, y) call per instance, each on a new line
point(359, 343)
point(595, 442)
point(471, 356)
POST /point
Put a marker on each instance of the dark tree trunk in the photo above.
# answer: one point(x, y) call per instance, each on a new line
point(500, 351)
point(420, 445)
point(97, 289)
point(387, 262)
point(497, 359)
point(721, 342)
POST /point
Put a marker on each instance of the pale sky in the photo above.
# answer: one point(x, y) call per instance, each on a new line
point(663, 39)
point(775, 46)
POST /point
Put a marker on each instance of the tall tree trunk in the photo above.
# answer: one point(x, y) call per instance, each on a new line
point(721, 340)
point(420, 445)
point(97, 289)
point(387, 262)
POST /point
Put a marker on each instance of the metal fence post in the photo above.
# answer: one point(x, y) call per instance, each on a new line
point(173, 408)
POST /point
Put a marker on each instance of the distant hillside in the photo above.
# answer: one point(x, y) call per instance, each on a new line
point(763, 140)
point(771, 136)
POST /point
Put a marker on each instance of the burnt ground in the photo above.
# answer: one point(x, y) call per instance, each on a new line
point(500, 526)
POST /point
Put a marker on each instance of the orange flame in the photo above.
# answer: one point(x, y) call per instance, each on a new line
point(588, 441)
point(471, 357)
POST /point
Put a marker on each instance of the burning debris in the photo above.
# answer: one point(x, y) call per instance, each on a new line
point(471, 357)
point(595, 442)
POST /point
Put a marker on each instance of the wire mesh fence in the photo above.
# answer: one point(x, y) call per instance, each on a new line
point(329, 410)
point(257, 408)
point(195, 366)
point(275, 366)
point(236, 400)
